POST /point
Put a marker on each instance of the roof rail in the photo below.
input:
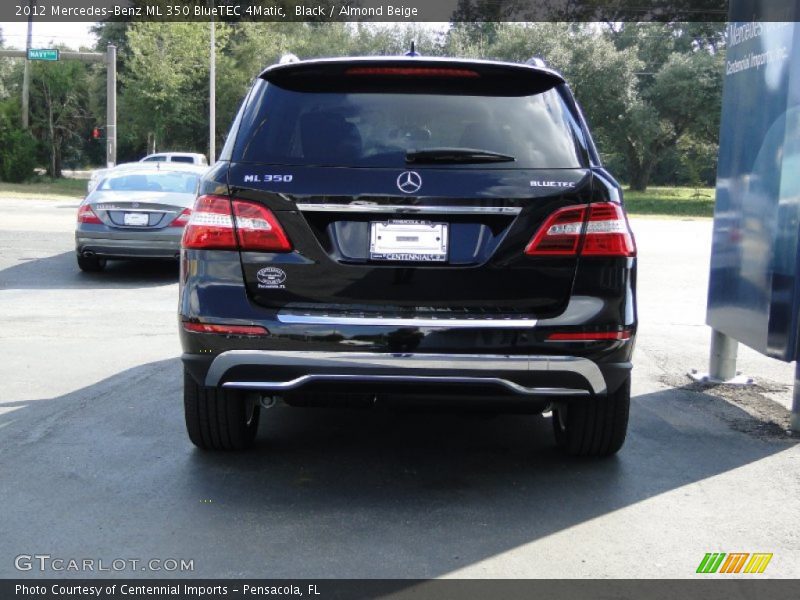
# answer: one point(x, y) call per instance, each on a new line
point(288, 58)
point(535, 61)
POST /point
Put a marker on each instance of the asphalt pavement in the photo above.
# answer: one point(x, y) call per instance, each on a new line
point(95, 463)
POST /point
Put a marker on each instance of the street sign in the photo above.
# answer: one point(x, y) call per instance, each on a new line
point(42, 54)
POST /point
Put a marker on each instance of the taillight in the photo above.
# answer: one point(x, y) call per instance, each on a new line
point(561, 233)
point(182, 219)
point(211, 226)
point(413, 71)
point(226, 329)
point(87, 215)
point(258, 229)
point(607, 233)
point(590, 336)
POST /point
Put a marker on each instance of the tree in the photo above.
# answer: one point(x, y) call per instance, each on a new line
point(59, 108)
point(678, 93)
point(165, 93)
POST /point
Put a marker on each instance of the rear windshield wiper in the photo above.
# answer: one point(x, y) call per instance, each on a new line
point(456, 155)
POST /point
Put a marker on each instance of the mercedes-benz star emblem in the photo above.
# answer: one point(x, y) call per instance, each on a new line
point(409, 182)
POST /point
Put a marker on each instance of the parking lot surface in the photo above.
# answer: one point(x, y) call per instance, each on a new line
point(95, 463)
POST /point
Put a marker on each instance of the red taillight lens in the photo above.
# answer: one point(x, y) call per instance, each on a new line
point(258, 229)
point(87, 215)
point(211, 226)
point(561, 233)
point(607, 233)
point(182, 219)
point(226, 329)
point(412, 71)
point(592, 336)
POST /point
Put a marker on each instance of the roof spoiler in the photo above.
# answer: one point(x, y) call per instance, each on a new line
point(401, 74)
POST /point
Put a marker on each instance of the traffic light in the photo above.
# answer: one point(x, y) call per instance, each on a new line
point(96, 133)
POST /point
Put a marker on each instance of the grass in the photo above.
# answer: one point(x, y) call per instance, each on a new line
point(45, 188)
point(671, 201)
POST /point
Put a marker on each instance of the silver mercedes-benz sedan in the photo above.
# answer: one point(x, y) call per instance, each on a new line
point(136, 213)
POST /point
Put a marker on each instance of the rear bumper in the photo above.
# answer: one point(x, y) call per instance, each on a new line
point(127, 247)
point(517, 375)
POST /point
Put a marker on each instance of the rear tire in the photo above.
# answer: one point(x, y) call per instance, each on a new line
point(219, 419)
point(594, 427)
point(91, 264)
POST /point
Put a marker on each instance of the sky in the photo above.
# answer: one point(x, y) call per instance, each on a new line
point(73, 35)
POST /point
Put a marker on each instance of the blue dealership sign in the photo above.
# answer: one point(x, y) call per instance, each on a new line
point(754, 287)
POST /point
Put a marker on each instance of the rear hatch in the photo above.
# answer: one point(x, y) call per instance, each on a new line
point(410, 186)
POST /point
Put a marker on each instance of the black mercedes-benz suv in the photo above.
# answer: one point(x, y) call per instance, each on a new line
point(409, 230)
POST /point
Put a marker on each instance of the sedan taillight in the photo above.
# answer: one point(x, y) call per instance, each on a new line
point(87, 215)
point(219, 223)
point(606, 234)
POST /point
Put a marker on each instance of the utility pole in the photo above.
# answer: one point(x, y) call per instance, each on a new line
point(26, 75)
point(111, 105)
point(212, 97)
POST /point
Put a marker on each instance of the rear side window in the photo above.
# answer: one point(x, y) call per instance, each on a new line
point(288, 127)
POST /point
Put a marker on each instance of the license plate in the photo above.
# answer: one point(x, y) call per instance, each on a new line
point(414, 241)
point(135, 218)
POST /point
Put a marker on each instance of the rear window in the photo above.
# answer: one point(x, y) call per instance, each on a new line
point(183, 159)
point(358, 129)
point(151, 182)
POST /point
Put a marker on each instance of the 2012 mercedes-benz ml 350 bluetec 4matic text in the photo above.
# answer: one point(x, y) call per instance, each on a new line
point(409, 231)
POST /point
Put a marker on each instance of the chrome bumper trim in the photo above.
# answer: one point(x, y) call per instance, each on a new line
point(511, 322)
point(409, 209)
point(278, 386)
point(319, 361)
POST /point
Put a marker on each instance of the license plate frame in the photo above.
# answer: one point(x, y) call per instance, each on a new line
point(407, 240)
point(136, 219)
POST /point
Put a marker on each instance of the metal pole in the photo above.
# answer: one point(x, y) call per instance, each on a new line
point(212, 98)
point(722, 363)
point(26, 74)
point(111, 105)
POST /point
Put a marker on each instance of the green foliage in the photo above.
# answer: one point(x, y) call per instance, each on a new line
point(671, 201)
point(62, 110)
point(166, 83)
point(17, 147)
point(17, 155)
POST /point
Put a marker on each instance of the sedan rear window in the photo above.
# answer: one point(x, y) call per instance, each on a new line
point(358, 129)
point(151, 182)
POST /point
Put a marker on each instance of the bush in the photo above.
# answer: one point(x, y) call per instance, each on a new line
point(17, 155)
